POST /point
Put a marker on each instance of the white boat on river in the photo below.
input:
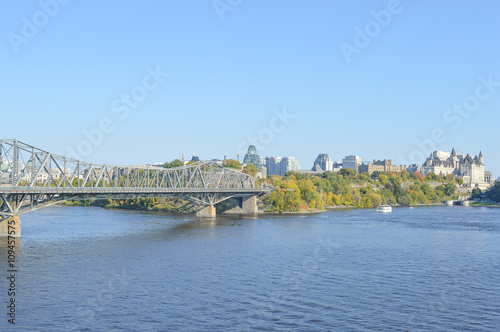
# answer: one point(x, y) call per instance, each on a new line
point(384, 208)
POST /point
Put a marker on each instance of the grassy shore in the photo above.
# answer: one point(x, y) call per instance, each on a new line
point(484, 204)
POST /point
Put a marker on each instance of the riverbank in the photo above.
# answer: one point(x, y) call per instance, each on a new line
point(177, 207)
point(484, 204)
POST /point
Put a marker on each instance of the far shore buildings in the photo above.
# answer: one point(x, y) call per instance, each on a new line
point(381, 166)
point(337, 166)
point(42, 175)
point(414, 168)
point(289, 164)
point(273, 165)
point(488, 177)
point(470, 169)
point(279, 166)
point(252, 157)
point(323, 163)
point(352, 162)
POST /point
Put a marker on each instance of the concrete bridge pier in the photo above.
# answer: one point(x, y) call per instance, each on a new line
point(249, 204)
point(206, 212)
point(15, 227)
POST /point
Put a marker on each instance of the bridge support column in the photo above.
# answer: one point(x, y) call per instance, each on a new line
point(206, 212)
point(14, 229)
point(249, 204)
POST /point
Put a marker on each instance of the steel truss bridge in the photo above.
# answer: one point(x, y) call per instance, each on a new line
point(31, 178)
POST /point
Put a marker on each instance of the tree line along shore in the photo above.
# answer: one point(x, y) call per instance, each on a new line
point(301, 192)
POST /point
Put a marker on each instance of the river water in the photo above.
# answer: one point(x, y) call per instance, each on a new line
point(94, 269)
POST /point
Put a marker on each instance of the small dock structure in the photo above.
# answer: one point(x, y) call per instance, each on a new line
point(462, 200)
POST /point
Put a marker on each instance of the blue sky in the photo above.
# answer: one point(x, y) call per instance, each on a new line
point(231, 70)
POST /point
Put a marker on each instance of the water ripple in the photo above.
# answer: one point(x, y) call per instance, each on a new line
point(91, 269)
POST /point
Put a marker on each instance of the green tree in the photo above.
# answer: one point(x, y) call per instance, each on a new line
point(476, 193)
point(173, 163)
point(285, 198)
point(383, 179)
point(364, 176)
point(347, 173)
point(375, 175)
point(375, 199)
point(405, 200)
point(432, 177)
point(427, 189)
point(231, 163)
point(250, 169)
point(450, 188)
point(494, 192)
point(441, 188)
point(309, 193)
point(421, 198)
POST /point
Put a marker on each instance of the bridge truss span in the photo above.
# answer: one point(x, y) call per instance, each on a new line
point(31, 178)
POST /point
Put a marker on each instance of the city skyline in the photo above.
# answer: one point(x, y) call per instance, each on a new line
point(369, 79)
point(333, 160)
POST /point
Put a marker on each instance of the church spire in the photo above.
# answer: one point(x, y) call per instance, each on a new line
point(453, 153)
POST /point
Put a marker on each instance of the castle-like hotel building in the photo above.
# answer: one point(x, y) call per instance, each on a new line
point(465, 166)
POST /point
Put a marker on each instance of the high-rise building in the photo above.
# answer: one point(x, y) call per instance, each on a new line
point(279, 166)
point(324, 162)
point(289, 164)
point(337, 166)
point(273, 165)
point(352, 162)
point(252, 157)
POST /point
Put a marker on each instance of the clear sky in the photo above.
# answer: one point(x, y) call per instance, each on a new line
point(378, 79)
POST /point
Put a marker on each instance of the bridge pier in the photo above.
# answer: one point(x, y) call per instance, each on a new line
point(249, 204)
point(206, 212)
point(14, 229)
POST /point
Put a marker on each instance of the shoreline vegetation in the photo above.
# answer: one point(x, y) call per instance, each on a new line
point(485, 204)
point(104, 203)
point(304, 193)
point(297, 191)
